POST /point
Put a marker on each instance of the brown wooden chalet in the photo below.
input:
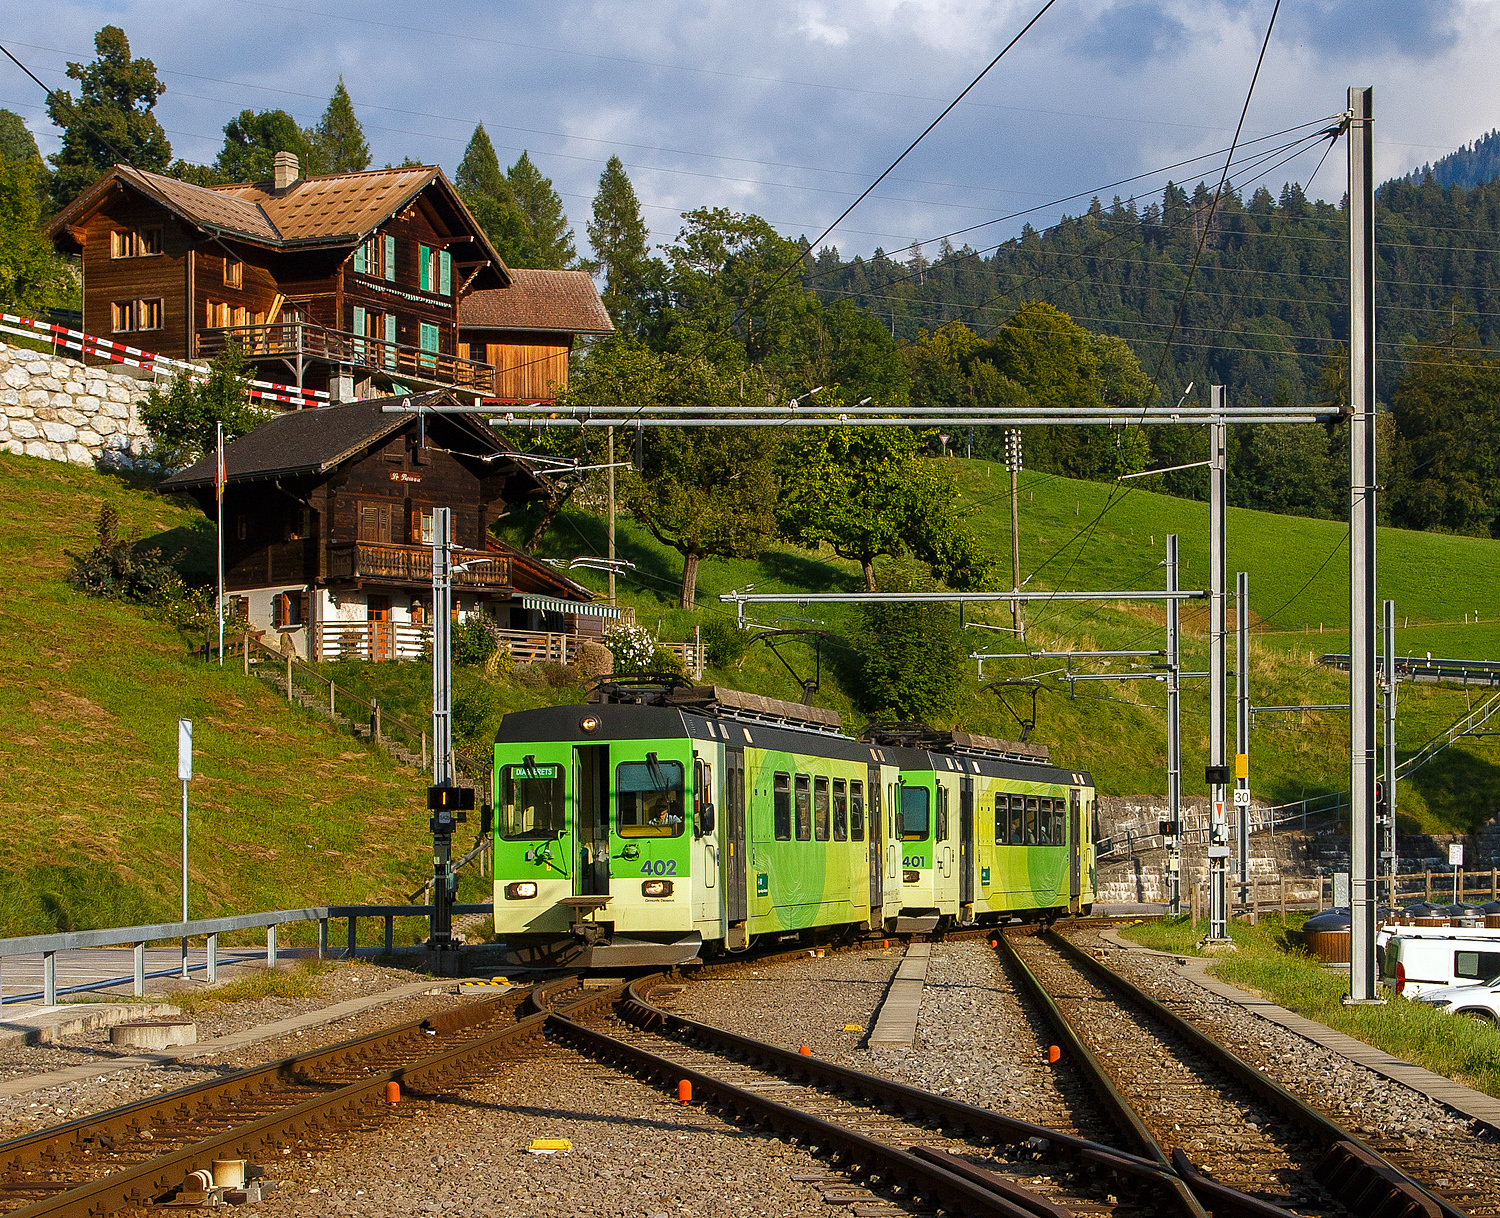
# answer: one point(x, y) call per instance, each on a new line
point(328, 529)
point(351, 283)
point(527, 330)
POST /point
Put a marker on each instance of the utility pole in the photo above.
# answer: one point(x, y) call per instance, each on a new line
point(441, 935)
point(1174, 730)
point(1217, 773)
point(1362, 878)
point(1242, 725)
point(611, 551)
point(1388, 742)
point(1013, 463)
point(184, 776)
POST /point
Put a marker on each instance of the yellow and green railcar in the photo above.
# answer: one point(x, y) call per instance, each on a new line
point(654, 824)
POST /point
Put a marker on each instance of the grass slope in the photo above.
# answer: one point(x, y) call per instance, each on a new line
point(284, 811)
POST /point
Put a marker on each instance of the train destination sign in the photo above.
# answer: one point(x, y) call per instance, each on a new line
point(521, 773)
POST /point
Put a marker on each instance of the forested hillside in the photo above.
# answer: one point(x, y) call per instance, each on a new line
point(1472, 165)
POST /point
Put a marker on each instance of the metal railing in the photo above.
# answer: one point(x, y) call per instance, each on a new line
point(207, 928)
point(305, 340)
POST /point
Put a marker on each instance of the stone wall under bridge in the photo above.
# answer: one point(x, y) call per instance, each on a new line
point(60, 409)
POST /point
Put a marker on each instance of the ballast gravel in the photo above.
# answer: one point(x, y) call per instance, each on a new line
point(30, 1111)
point(635, 1154)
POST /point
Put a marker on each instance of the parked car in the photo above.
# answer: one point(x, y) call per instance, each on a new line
point(1476, 1001)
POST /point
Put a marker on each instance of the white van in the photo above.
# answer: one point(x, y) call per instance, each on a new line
point(1417, 959)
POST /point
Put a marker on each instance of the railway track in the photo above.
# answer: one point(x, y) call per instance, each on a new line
point(147, 1152)
point(1186, 1102)
point(893, 1145)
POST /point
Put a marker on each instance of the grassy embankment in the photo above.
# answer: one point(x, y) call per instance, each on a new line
point(1270, 963)
point(284, 811)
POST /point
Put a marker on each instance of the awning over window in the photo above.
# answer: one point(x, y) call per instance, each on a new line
point(555, 604)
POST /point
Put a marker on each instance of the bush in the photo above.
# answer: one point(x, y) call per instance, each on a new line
point(183, 421)
point(910, 659)
point(724, 642)
point(475, 639)
point(633, 648)
point(665, 660)
point(116, 569)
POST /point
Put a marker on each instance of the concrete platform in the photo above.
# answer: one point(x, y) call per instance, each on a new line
point(1466, 1101)
point(896, 1024)
point(223, 1044)
point(45, 1025)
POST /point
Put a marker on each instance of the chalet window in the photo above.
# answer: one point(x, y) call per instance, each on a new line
point(376, 257)
point(430, 340)
point(375, 522)
point(288, 610)
point(423, 531)
point(242, 527)
point(426, 267)
point(234, 272)
point(241, 316)
point(126, 315)
point(123, 243)
point(218, 314)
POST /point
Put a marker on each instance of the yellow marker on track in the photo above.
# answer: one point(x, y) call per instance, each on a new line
point(549, 1146)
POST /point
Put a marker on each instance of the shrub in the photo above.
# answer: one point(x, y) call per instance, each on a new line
point(633, 648)
point(116, 568)
point(724, 642)
point(665, 660)
point(182, 422)
point(910, 659)
point(475, 639)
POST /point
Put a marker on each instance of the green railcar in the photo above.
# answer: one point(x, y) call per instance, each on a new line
point(657, 823)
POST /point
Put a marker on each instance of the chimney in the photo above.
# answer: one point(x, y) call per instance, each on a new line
point(287, 170)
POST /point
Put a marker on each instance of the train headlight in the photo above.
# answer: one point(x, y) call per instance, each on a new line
point(656, 888)
point(911, 877)
point(588, 723)
point(522, 891)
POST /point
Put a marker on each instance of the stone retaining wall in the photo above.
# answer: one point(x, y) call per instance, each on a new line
point(60, 409)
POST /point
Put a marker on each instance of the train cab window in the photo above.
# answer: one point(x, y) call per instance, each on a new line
point(703, 794)
point(840, 810)
point(649, 798)
point(820, 809)
point(916, 814)
point(782, 808)
point(942, 813)
point(857, 810)
point(531, 803)
point(1031, 818)
point(803, 808)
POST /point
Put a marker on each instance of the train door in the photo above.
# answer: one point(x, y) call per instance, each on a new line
point(733, 836)
point(1075, 837)
point(875, 827)
point(591, 820)
point(966, 840)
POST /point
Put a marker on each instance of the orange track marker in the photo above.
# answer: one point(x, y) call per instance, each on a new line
point(393, 1092)
point(1054, 1054)
point(805, 1051)
point(684, 1091)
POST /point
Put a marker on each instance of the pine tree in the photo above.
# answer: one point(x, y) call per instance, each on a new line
point(338, 140)
point(252, 140)
point(479, 171)
point(618, 235)
point(111, 120)
point(549, 244)
point(487, 194)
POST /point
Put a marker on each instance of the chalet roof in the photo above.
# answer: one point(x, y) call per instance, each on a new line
point(565, 301)
point(331, 210)
point(303, 442)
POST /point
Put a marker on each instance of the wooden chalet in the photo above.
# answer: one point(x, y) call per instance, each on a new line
point(351, 283)
point(328, 529)
point(526, 331)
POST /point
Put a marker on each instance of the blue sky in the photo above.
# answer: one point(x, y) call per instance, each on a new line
point(789, 107)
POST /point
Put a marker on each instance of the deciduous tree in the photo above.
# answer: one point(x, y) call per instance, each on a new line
point(182, 422)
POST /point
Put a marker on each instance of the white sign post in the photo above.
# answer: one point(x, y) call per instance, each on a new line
point(184, 775)
point(1456, 861)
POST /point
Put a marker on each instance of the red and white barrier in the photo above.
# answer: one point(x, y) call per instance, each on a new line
point(149, 361)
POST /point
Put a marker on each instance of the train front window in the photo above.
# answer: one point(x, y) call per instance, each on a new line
point(531, 803)
point(916, 814)
point(649, 798)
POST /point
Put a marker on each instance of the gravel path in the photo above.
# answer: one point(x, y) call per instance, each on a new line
point(635, 1153)
point(23, 1114)
point(1415, 1131)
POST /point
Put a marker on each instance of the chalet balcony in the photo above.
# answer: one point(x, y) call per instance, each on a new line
point(300, 343)
point(380, 563)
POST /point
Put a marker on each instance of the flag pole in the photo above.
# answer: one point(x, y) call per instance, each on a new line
point(219, 485)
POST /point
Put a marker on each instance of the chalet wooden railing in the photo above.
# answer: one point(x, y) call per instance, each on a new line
point(306, 340)
point(413, 564)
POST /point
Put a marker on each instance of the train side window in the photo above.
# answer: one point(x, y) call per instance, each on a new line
point(803, 808)
point(531, 803)
point(942, 813)
point(820, 809)
point(783, 808)
point(857, 810)
point(1044, 821)
point(840, 810)
point(649, 798)
point(1031, 817)
point(703, 797)
point(1059, 822)
point(1002, 810)
point(916, 814)
point(1017, 822)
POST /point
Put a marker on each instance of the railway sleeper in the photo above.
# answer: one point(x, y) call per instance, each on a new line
point(1369, 1187)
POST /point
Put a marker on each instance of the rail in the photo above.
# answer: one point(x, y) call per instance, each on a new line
point(206, 928)
point(300, 340)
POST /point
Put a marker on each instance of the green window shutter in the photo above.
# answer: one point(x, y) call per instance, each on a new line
point(390, 258)
point(445, 273)
point(359, 319)
point(429, 337)
point(359, 257)
point(424, 273)
point(390, 338)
